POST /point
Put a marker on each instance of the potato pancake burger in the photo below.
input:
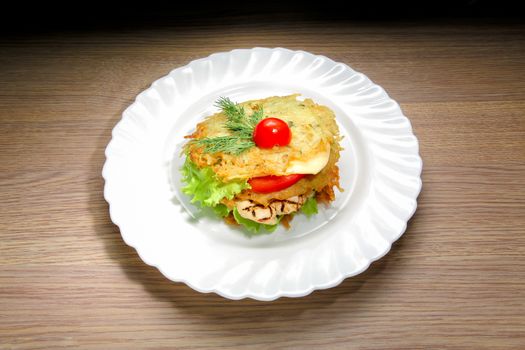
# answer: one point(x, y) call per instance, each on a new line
point(259, 162)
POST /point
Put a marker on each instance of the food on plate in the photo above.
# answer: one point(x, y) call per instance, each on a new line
point(259, 162)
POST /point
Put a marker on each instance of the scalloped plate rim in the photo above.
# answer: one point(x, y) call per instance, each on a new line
point(279, 293)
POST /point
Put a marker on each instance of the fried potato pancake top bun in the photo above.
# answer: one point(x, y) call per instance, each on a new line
point(313, 149)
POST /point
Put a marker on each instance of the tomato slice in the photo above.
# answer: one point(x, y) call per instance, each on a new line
point(271, 183)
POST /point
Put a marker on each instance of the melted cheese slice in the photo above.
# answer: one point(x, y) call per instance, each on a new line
point(313, 165)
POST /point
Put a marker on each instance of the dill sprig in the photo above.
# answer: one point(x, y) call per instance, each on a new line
point(227, 144)
point(240, 125)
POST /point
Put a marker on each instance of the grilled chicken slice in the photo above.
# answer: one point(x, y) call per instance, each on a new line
point(267, 215)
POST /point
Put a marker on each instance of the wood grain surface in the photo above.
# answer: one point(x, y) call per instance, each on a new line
point(455, 280)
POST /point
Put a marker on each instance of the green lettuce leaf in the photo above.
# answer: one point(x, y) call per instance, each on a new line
point(252, 226)
point(204, 186)
point(221, 210)
point(309, 208)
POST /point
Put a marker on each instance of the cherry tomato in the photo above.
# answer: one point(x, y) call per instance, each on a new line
point(271, 183)
point(271, 132)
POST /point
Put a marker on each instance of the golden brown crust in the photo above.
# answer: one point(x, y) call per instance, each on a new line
point(329, 176)
point(229, 219)
point(286, 220)
point(313, 129)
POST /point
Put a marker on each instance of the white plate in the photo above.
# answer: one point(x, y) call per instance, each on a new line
point(380, 172)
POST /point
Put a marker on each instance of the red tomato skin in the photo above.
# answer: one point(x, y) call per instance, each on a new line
point(271, 183)
point(271, 132)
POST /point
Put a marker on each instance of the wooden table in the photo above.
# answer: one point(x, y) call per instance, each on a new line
point(456, 279)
